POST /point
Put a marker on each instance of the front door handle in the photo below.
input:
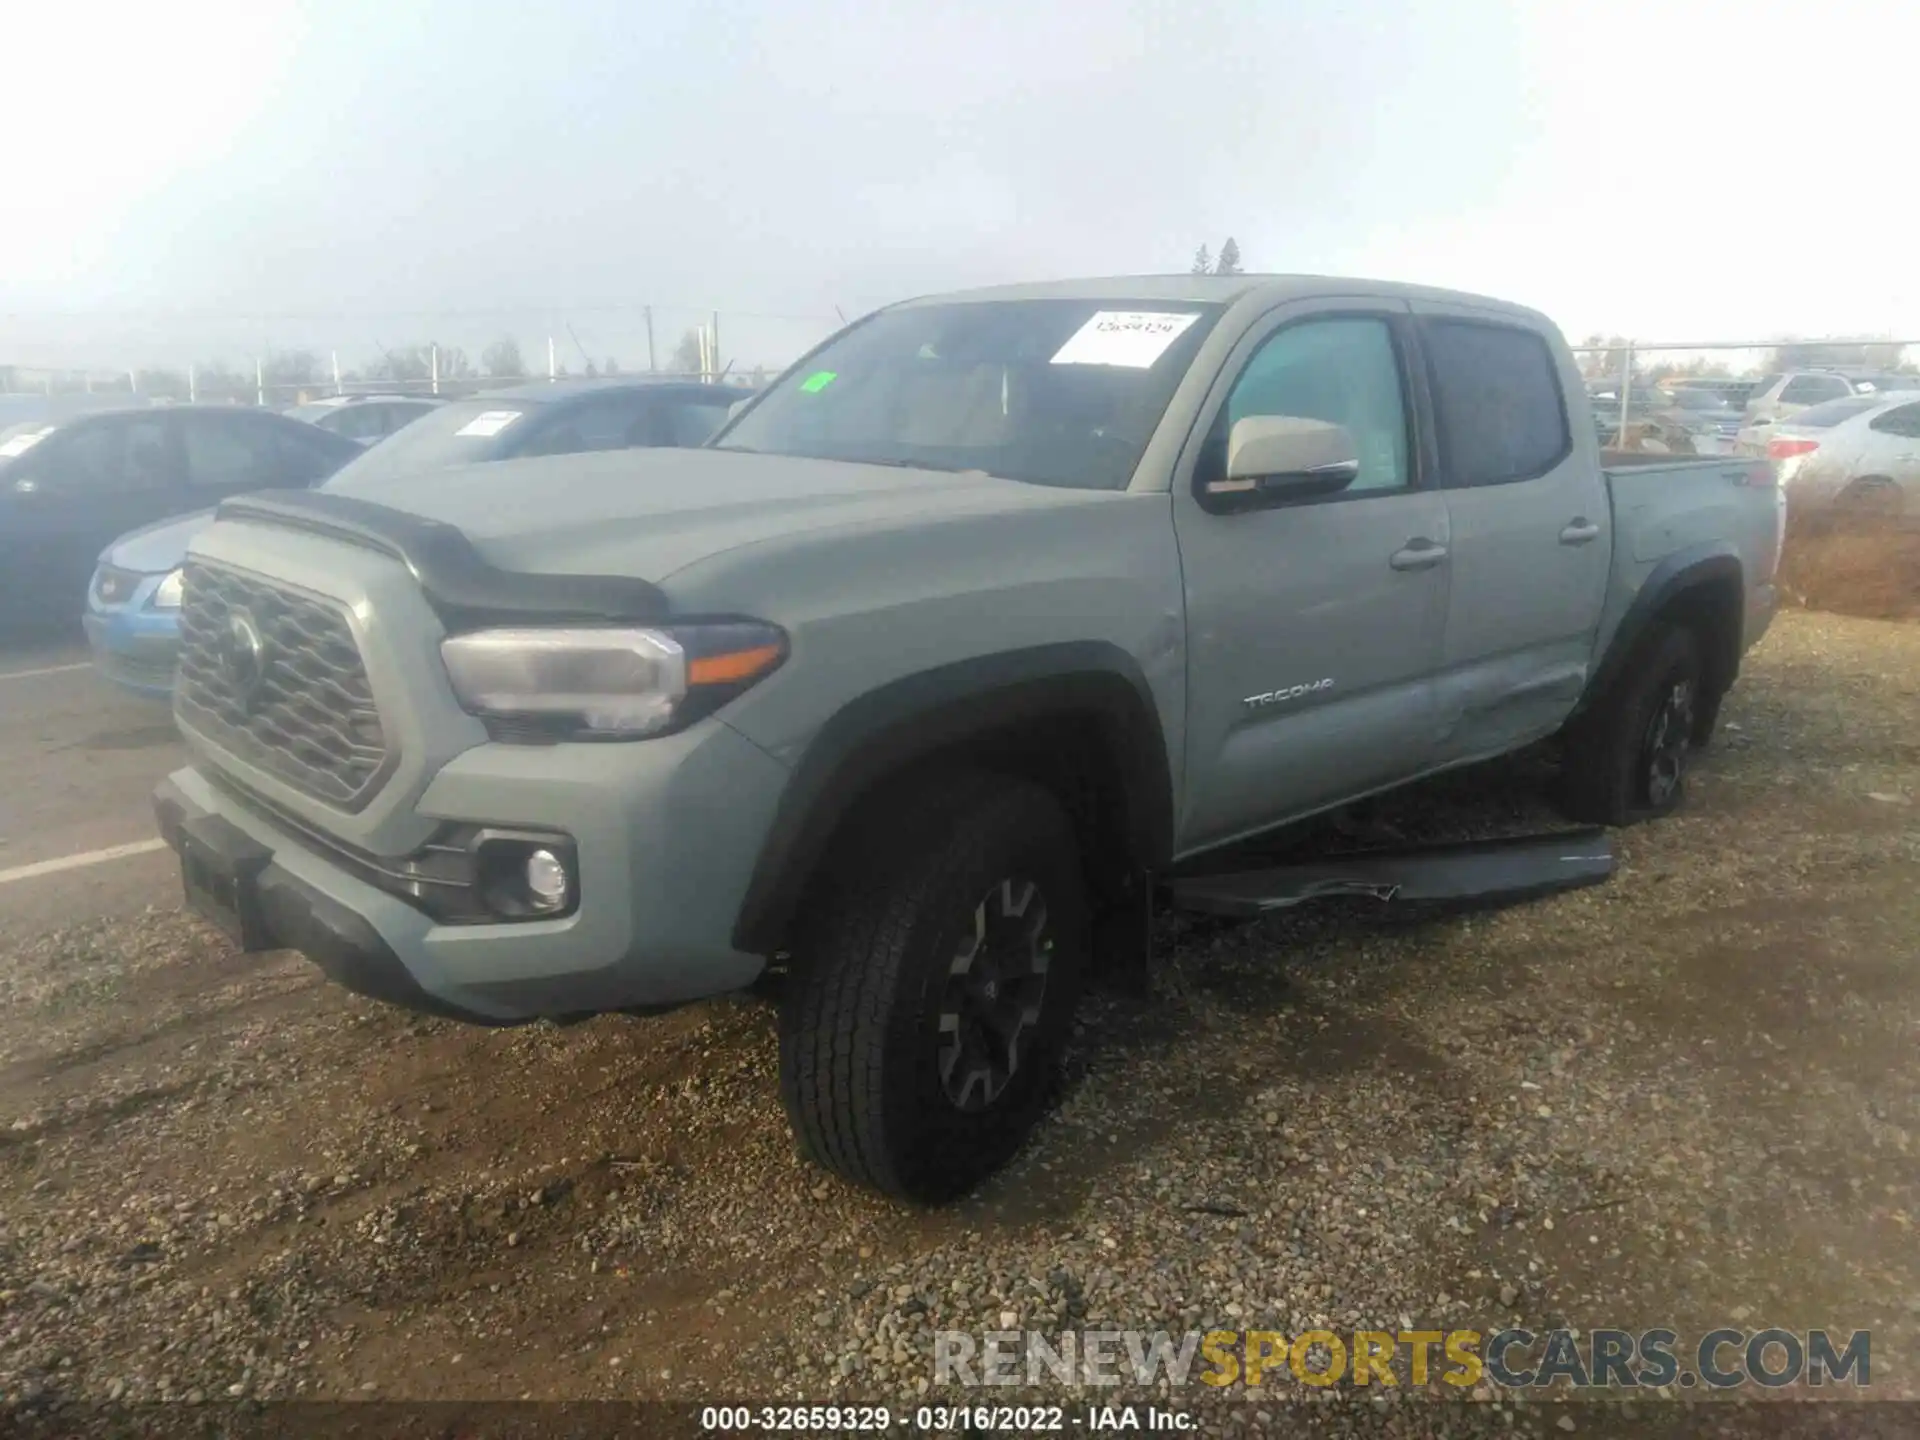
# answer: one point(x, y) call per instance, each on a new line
point(1418, 554)
point(1579, 532)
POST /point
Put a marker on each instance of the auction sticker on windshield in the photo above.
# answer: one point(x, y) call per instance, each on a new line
point(1132, 338)
point(20, 444)
point(488, 422)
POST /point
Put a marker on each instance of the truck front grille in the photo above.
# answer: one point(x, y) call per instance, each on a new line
point(273, 676)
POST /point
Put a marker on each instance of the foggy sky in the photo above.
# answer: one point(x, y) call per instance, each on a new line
point(214, 178)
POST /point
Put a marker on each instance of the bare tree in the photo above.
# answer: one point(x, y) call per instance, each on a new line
point(1229, 261)
point(502, 359)
point(686, 355)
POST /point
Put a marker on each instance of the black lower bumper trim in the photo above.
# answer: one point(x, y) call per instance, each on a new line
point(290, 914)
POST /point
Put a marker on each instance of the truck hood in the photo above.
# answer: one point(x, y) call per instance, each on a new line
point(157, 548)
point(649, 513)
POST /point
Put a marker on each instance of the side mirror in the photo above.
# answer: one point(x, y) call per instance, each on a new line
point(1287, 457)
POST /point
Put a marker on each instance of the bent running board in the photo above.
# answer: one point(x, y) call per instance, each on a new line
point(1482, 871)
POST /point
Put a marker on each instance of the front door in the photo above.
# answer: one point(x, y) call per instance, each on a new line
point(1313, 627)
point(79, 490)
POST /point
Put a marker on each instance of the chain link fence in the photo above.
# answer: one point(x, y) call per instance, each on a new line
point(55, 356)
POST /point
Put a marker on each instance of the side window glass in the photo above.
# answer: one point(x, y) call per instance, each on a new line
point(1497, 402)
point(1342, 371)
point(226, 456)
point(113, 457)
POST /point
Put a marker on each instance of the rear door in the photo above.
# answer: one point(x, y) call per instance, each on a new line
point(1313, 628)
point(1531, 526)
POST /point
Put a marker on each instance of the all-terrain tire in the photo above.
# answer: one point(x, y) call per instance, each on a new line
point(911, 915)
point(1620, 763)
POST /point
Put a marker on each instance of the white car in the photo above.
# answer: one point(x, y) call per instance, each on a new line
point(1780, 397)
point(1860, 453)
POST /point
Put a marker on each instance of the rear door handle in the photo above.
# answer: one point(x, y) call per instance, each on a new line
point(1420, 554)
point(1579, 532)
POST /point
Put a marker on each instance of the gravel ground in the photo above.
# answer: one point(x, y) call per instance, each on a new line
point(1687, 1098)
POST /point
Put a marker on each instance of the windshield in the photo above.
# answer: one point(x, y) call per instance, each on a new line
point(456, 434)
point(1822, 417)
point(1053, 392)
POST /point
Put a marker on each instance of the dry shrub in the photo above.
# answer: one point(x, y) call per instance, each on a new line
point(1852, 566)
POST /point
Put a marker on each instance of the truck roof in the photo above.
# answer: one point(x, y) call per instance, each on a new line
point(1224, 290)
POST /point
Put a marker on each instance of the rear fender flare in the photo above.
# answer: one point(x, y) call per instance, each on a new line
point(1714, 564)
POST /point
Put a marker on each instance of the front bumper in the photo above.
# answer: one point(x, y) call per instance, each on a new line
point(666, 834)
point(134, 646)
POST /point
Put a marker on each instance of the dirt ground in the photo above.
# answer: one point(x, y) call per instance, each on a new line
point(1853, 567)
point(1690, 1097)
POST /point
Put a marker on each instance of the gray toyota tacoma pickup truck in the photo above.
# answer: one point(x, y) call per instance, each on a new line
point(989, 612)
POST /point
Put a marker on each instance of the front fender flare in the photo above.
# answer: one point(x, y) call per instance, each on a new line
point(883, 732)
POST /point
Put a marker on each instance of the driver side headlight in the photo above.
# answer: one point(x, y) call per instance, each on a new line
point(166, 595)
point(607, 684)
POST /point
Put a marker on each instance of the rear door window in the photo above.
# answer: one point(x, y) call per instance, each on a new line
point(1497, 402)
point(226, 453)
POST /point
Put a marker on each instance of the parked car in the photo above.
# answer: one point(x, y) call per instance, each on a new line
point(132, 607)
point(1795, 391)
point(69, 486)
point(364, 418)
point(925, 672)
point(1860, 454)
point(1710, 420)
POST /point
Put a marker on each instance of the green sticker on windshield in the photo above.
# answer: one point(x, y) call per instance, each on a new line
point(818, 381)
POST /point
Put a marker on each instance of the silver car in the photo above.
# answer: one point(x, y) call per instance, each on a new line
point(1789, 394)
point(1860, 453)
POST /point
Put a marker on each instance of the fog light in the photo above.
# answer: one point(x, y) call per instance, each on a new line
point(547, 883)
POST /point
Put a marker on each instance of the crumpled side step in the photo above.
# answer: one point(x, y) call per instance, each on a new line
point(1483, 871)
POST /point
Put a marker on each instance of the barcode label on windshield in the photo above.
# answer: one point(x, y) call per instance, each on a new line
point(1130, 338)
point(488, 422)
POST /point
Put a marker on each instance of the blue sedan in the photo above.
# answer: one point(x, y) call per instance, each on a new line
point(133, 605)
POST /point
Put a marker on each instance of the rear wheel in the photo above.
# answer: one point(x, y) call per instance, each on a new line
point(1874, 495)
point(933, 987)
point(1625, 758)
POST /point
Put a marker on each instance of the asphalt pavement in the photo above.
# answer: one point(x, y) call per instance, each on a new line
point(78, 761)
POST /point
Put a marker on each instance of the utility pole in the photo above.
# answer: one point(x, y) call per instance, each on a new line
point(335, 356)
point(260, 383)
point(651, 366)
point(193, 384)
point(433, 359)
point(553, 362)
point(713, 346)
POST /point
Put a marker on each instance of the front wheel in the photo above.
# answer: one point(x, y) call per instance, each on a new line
point(933, 988)
point(1626, 757)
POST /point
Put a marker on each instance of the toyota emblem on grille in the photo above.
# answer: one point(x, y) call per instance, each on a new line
point(243, 657)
